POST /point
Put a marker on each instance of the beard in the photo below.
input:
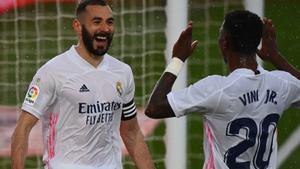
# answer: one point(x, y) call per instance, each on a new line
point(88, 39)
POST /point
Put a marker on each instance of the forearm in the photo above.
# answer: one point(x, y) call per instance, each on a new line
point(18, 149)
point(139, 153)
point(158, 105)
point(162, 88)
point(135, 144)
point(19, 141)
point(282, 64)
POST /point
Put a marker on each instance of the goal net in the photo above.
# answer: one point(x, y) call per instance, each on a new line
point(32, 34)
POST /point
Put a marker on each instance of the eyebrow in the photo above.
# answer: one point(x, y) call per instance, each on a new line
point(99, 18)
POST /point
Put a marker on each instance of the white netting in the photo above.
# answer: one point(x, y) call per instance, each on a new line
point(31, 35)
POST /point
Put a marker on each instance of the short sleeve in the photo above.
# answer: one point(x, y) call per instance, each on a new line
point(129, 107)
point(294, 91)
point(40, 94)
point(199, 97)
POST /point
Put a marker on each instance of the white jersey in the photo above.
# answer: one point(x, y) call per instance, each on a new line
point(241, 112)
point(81, 108)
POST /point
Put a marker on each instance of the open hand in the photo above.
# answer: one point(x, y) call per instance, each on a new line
point(269, 48)
point(184, 46)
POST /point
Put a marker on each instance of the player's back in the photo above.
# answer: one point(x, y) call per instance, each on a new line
point(241, 125)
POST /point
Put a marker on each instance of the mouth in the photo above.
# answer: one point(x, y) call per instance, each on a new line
point(101, 38)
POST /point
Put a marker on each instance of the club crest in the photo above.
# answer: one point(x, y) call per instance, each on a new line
point(119, 88)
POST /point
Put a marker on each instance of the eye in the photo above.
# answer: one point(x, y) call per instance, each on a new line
point(96, 22)
point(110, 21)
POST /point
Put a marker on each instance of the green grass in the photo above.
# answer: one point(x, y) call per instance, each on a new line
point(133, 49)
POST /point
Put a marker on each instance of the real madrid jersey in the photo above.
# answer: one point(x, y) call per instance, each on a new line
point(241, 113)
point(81, 108)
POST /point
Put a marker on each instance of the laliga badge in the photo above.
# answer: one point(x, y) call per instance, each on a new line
point(119, 88)
point(32, 95)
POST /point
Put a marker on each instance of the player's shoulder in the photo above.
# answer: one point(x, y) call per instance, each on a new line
point(212, 83)
point(55, 64)
point(117, 65)
point(214, 78)
point(282, 75)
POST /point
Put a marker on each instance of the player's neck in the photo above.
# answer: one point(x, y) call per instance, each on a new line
point(237, 61)
point(89, 57)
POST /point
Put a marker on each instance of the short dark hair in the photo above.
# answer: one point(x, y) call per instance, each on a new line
point(83, 3)
point(244, 29)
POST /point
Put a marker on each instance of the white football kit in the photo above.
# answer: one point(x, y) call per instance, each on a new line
point(240, 112)
point(81, 108)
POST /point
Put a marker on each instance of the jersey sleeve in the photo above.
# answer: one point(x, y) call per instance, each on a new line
point(40, 94)
point(129, 107)
point(294, 91)
point(199, 97)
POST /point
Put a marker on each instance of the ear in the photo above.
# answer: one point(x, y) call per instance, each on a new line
point(77, 26)
point(225, 45)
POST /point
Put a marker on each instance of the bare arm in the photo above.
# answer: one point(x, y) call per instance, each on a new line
point(158, 106)
point(135, 144)
point(19, 142)
point(269, 51)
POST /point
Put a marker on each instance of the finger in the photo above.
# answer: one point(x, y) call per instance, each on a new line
point(271, 29)
point(189, 30)
point(186, 35)
point(268, 31)
point(194, 45)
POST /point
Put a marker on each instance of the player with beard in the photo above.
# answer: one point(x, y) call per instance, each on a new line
point(85, 99)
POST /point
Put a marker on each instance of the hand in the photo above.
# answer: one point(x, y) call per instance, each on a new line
point(184, 46)
point(269, 50)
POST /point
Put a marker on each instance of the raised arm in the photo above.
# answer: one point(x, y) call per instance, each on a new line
point(269, 50)
point(158, 105)
point(19, 142)
point(135, 144)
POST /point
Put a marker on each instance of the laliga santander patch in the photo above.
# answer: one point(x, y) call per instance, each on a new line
point(32, 94)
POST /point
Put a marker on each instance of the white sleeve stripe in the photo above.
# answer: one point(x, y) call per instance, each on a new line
point(128, 107)
point(129, 111)
point(131, 114)
point(129, 103)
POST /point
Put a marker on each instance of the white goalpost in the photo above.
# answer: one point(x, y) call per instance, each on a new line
point(175, 138)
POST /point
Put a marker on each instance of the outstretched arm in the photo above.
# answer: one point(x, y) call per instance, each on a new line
point(269, 50)
point(158, 105)
point(19, 142)
point(135, 144)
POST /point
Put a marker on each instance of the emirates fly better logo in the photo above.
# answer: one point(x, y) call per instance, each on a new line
point(32, 94)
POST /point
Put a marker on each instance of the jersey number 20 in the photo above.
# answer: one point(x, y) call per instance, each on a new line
point(252, 132)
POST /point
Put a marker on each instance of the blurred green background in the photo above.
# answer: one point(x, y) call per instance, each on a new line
point(32, 35)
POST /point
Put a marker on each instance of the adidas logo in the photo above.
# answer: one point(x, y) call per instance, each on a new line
point(84, 88)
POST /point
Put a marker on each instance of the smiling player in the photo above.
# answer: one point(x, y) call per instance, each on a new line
point(85, 99)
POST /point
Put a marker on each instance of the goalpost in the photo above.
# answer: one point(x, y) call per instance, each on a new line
point(175, 138)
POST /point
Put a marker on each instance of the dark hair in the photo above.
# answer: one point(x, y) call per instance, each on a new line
point(83, 3)
point(244, 29)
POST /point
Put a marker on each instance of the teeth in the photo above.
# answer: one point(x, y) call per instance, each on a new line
point(100, 38)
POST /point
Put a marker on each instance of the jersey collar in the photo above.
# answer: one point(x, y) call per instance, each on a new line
point(74, 55)
point(244, 71)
